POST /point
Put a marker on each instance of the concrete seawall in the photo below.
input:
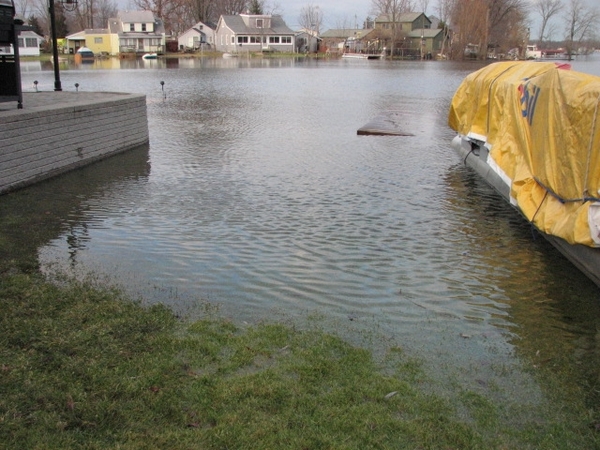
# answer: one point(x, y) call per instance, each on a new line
point(59, 131)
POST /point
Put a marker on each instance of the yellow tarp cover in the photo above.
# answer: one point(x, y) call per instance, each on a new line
point(541, 123)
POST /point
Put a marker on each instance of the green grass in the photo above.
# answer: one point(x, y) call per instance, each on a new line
point(86, 368)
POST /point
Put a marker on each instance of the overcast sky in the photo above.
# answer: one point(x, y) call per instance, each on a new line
point(335, 12)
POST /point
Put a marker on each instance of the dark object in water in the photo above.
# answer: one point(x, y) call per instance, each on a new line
point(383, 125)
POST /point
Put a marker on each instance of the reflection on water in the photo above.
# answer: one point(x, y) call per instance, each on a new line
point(33, 217)
point(263, 199)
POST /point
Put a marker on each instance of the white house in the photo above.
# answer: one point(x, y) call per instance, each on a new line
point(307, 40)
point(29, 44)
point(137, 32)
point(252, 33)
point(200, 34)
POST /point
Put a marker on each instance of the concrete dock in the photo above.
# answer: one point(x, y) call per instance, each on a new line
point(59, 131)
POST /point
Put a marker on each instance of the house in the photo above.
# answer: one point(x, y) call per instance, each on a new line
point(29, 44)
point(414, 35)
point(131, 32)
point(97, 40)
point(253, 33)
point(308, 41)
point(137, 32)
point(404, 22)
point(201, 35)
point(354, 40)
point(427, 41)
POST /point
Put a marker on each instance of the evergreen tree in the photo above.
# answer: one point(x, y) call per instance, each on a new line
point(256, 7)
point(35, 23)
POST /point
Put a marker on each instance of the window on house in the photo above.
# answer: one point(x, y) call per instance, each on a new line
point(143, 27)
point(286, 39)
point(131, 27)
point(242, 39)
point(255, 39)
point(233, 39)
point(21, 42)
point(273, 39)
point(259, 23)
point(97, 40)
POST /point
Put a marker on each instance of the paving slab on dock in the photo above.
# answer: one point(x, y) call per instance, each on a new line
point(58, 131)
point(33, 101)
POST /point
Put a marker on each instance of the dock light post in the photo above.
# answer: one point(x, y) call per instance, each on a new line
point(71, 5)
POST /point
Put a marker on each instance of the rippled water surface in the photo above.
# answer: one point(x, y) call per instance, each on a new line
point(257, 195)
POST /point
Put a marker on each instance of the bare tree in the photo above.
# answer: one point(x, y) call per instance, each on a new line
point(393, 9)
point(505, 17)
point(546, 9)
point(25, 8)
point(173, 13)
point(35, 8)
point(444, 11)
point(468, 32)
point(501, 24)
point(201, 10)
point(93, 13)
point(229, 7)
point(581, 22)
point(311, 18)
point(106, 9)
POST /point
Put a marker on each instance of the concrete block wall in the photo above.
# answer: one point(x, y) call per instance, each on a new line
point(58, 131)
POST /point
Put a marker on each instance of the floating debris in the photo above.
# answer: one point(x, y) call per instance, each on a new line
point(383, 125)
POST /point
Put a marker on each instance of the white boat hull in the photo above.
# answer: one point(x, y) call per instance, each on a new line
point(361, 56)
point(474, 155)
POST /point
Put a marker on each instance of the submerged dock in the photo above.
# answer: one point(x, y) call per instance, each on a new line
point(59, 131)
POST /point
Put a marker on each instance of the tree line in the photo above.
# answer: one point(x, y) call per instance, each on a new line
point(497, 26)
point(489, 25)
point(177, 15)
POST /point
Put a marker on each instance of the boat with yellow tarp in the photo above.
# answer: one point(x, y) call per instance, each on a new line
point(532, 130)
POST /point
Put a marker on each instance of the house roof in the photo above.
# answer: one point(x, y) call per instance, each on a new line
point(79, 36)
point(342, 33)
point(198, 27)
point(30, 34)
point(402, 18)
point(115, 25)
point(238, 26)
point(425, 32)
point(136, 16)
point(96, 31)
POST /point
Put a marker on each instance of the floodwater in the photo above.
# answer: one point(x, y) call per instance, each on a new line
point(256, 196)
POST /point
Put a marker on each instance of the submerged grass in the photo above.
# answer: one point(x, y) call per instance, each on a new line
point(86, 368)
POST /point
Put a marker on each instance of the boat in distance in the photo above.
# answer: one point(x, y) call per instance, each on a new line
point(532, 131)
point(361, 55)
